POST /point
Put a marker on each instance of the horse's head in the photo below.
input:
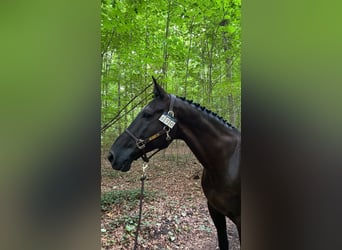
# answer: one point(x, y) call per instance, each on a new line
point(146, 132)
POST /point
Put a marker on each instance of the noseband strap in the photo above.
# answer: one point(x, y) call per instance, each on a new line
point(141, 143)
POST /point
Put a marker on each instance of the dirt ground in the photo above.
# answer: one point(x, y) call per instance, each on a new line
point(175, 214)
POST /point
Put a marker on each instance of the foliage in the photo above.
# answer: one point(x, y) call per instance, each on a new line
point(121, 196)
point(192, 47)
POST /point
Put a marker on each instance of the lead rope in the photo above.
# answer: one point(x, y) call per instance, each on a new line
point(141, 145)
point(142, 179)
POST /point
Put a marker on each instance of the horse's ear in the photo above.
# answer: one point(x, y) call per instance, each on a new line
point(158, 91)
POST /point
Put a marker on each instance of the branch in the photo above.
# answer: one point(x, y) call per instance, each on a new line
point(118, 115)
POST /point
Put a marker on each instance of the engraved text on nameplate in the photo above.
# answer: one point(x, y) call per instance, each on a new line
point(168, 120)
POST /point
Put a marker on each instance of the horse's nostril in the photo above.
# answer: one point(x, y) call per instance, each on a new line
point(110, 157)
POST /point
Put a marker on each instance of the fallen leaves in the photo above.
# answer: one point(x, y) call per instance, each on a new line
point(175, 215)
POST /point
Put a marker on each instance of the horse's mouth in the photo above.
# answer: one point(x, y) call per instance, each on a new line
point(126, 165)
point(137, 157)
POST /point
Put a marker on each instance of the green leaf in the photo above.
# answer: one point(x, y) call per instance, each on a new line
point(130, 228)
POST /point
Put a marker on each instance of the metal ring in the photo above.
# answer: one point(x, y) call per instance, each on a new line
point(171, 113)
point(167, 129)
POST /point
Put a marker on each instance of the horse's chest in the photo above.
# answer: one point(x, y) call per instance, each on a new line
point(221, 194)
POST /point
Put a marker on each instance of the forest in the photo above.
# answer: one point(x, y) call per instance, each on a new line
point(193, 49)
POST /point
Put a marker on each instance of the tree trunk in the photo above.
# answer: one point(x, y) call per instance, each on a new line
point(188, 56)
point(165, 49)
point(119, 104)
point(229, 73)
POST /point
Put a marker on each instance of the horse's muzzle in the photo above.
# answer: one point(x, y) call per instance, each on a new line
point(111, 157)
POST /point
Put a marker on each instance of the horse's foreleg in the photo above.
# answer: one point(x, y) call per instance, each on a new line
point(220, 224)
point(237, 221)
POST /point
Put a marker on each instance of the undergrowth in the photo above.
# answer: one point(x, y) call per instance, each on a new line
point(122, 196)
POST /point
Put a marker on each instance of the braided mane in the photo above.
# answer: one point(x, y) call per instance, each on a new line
point(207, 111)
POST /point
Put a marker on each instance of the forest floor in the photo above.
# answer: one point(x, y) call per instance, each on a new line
point(175, 214)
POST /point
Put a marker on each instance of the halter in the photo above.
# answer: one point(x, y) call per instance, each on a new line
point(141, 143)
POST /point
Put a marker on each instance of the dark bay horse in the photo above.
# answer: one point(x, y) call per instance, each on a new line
point(214, 142)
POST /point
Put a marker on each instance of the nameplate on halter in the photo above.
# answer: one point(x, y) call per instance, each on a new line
point(168, 120)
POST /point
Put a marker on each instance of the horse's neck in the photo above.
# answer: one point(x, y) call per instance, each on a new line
point(212, 143)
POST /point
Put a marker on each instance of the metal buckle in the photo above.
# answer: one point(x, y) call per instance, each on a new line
point(140, 144)
point(145, 165)
point(167, 130)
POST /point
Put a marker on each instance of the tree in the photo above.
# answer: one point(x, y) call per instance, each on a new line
point(193, 47)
